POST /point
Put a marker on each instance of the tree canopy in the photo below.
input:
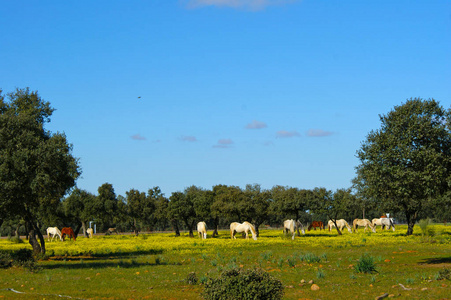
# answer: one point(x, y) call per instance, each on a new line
point(407, 162)
point(36, 166)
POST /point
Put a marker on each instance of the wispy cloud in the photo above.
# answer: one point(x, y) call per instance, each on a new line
point(223, 143)
point(318, 133)
point(256, 125)
point(138, 137)
point(188, 138)
point(287, 134)
point(239, 4)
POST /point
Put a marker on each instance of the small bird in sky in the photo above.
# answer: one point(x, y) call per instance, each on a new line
point(139, 97)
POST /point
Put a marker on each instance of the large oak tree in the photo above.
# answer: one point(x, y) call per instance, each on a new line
point(406, 163)
point(36, 166)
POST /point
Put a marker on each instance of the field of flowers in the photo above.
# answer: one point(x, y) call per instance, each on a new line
point(157, 265)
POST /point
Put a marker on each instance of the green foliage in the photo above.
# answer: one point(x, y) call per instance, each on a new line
point(21, 258)
point(192, 278)
point(310, 258)
point(365, 264)
point(239, 284)
point(424, 225)
point(320, 274)
point(444, 273)
point(407, 162)
point(6, 260)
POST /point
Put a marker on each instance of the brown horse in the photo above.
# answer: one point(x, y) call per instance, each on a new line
point(69, 232)
point(316, 224)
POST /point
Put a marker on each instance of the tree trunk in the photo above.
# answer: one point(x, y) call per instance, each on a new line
point(190, 227)
point(411, 219)
point(83, 226)
point(16, 233)
point(135, 227)
point(215, 232)
point(175, 224)
point(335, 223)
point(77, 230)
point(37, 248)
point(256, 229)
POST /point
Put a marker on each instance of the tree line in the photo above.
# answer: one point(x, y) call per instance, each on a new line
point(405, 169)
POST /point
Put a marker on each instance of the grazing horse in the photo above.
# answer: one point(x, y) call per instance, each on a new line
point(244, 227)
point(363, 222)
point(316, 224)
point(291, 226)
point(68, 231)
point(202, 230)
point(111, 230)
point(89, 231)
point(340, 223)
point(385, 223)
point(53, 231)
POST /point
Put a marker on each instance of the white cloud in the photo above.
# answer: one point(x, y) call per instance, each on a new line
point(287, 134)
point(188, 138)
point(256, 125)
point(138, 137)
point(241, 4)
point(223, 143)
point(318, 133)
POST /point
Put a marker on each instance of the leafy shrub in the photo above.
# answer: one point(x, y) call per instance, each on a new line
point(192, 278)
point(6, 260)
point(20, 258)
point(239, 284)
point(445, 273)
point(15, 239)
point(365, 264)
point(310, 258)
point(424, 223)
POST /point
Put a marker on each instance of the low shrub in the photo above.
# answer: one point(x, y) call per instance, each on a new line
point(444, 273)
point(192, 278)
point(239, 284)
point(366, 264)
point(6, 260)
point(20, 258)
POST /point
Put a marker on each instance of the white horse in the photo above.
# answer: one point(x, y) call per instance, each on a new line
point(53, 231)
point(363, 222)
point(291, 226)
point(202, 230)
point(244, 227)
point(385, 223)
point(340, 223)
point(89, 231)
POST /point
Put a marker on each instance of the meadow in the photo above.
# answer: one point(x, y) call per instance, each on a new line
point(157, 265)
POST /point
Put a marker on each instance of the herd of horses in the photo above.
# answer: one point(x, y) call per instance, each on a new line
point(290, 226)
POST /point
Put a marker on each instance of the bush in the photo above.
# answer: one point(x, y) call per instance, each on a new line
point(239, 284)
point(365, 264)
point(5, 260)
point(445, 273)
point(192, 278)
point(424, 223)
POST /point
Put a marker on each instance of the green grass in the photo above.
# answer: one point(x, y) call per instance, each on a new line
point(157, 267)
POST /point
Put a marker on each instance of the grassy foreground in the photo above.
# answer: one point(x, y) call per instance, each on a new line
point(156, 266)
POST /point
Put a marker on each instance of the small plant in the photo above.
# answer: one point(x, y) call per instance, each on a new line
point(203, 279)
point(280, 262)
point(292, 261)
point(192, 278)
point(320, 274)
point(365, 264)
point(267, 255)
point(15, 239)
point(310, 258)
point(243, 284)
point(410, 280)
point(372, 279)
point(213, 262)
point(424, 223)
point(444, 273)
point(352, 276)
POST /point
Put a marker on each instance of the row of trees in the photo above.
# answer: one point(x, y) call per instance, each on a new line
point(405, 168)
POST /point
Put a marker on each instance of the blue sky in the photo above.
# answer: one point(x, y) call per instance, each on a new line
point(175, 93)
